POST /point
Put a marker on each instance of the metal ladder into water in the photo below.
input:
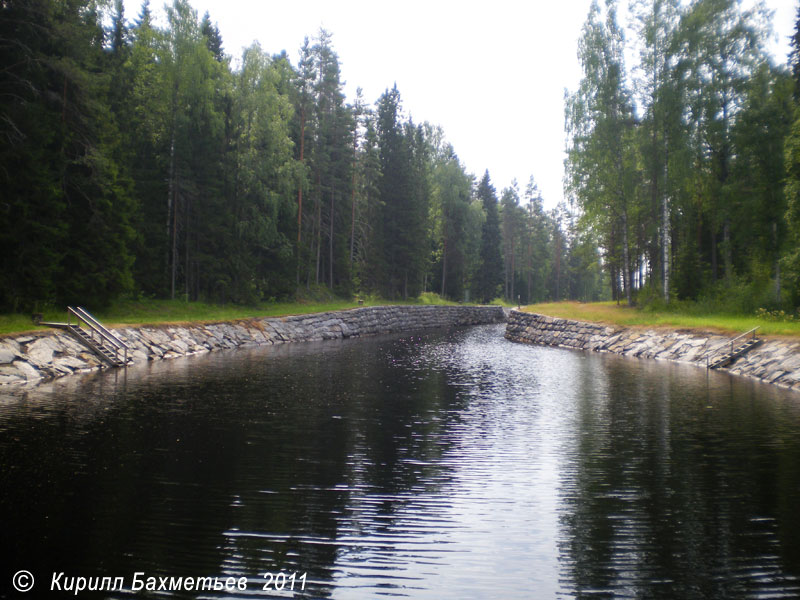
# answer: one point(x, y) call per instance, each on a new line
point(739, 346)
point(111, 350)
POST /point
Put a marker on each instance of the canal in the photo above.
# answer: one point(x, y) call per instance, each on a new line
point(445, 464)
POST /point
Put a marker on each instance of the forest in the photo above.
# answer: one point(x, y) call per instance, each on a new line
point(684, 165)
point(143, 161)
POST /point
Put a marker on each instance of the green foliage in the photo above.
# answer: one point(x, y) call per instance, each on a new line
point(679, 315)
point(490, 270)
point(404, 191)
point(601, 164)
point(741, 296)
point(431, 298)
point(682, 184)
point(777, 316)
point(451, 212)
point(66, 200)
point(791, 260)
point(545, 255)
point(264, 176)
point(141, 159)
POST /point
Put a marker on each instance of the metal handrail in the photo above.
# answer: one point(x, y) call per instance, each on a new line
point(733, 343)
point(753, 331)
point(84, 315)
point(738, 337)
point(96, 327)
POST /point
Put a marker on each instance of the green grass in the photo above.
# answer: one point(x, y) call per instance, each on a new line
point(159, 312)
point(613, 314)
point(169, 311)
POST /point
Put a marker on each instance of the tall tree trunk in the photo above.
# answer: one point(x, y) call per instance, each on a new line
point(170, 212)
point(317, 229)
point(667, 236)
point(196, 268)
point(727, 254)
point(727, 251)
point(513, 271)
point(353, 226)
point(174, 246)
point(558, 266)
point(614, 283)
point(319, 238)
point(655, 198)
point(529, 269)
point(505, 278)
point(626, 258)
point(187, 272)
point(506, 258)
point(777, 263)
point(300, 190)
point(714, 274)
point(312, 246)
point(613, 267)
point(330, 238)
point(353, 199)
point(444, 266)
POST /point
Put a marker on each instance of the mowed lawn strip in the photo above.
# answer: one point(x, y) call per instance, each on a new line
point(613, 314)
point(176, 312)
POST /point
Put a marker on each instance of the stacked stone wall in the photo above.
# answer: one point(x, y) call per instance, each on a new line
point(775, 361)
point(44, 355)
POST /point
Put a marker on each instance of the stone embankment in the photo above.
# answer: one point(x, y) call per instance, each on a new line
point(775, 361)
point(44, 355)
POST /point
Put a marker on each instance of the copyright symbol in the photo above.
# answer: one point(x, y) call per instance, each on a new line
point(23, 581)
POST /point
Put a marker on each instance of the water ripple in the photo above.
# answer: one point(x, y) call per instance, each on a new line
point(433, 465)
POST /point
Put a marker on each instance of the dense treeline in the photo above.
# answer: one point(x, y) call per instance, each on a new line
point(685, 165)
point(140, 160)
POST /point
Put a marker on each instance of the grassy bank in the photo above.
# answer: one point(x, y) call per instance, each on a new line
point(613, 314)
point(147, 312)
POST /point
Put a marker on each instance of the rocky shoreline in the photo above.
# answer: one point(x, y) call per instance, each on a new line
point(49, 354)
point(41, 356)
point(775, 361)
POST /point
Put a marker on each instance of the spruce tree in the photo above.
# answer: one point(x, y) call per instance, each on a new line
point(213, 37)
point(794, 56)
point(64, 198)
point(490, 267)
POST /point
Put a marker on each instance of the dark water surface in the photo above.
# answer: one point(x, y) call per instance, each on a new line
point(433, 465)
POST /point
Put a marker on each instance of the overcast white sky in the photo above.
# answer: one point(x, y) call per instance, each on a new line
point(492, 74)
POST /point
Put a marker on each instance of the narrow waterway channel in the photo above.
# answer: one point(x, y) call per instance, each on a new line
point(444, 464)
